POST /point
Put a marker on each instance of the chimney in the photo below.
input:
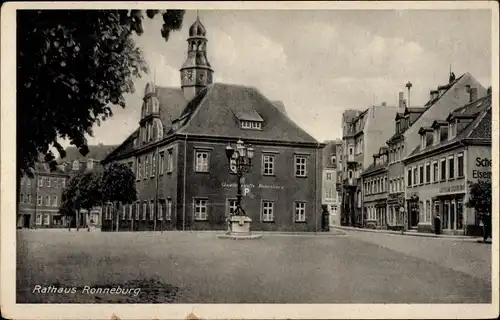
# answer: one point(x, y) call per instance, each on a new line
point(433, 94)
point(473, 94)
point(401, 99)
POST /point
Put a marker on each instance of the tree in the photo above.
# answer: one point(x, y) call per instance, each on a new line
point(73, 66)
point(82, 192)
point(118, 186)
point(480, 200)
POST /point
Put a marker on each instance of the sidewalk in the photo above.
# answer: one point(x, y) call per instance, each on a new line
point(411, 233)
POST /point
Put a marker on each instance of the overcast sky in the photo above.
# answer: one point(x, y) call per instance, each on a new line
point(319, 63)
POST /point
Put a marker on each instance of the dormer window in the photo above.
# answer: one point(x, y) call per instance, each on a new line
point(452, 129)
point(255, 125)
point(437, 135)
point(423, 141)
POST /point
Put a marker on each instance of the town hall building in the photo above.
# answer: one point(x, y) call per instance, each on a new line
point(183, 177)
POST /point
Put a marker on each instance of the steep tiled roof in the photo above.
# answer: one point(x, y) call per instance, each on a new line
point(96, 152)
point(213, 111)
point(479, 128)
point(373, 167)
point(428, 104)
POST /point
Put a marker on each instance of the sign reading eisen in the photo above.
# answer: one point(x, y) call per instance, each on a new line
point(483, 168)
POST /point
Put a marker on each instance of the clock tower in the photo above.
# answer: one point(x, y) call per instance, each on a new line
point(196, 72)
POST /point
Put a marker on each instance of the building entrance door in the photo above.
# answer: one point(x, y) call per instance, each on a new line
point(26, 220)
point(414, 213)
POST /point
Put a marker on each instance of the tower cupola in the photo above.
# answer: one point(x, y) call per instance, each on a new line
point(196, 72)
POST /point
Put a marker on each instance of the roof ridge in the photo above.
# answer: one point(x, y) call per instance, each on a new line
point(196, 109)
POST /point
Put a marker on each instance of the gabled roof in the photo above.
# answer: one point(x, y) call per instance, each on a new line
point(212, 112)
point(96, 152)
point(479, 129)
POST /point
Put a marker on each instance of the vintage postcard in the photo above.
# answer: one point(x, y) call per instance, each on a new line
point(249, 160)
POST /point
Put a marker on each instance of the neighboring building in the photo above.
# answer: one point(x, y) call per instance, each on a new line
point(74, 163)
point(178, 156)
point(40, 197)
point(406, 137)
point(451, 154)
point(332, 156)
point(374, 181)
point(363, 134)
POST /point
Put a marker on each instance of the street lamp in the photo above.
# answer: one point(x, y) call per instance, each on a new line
point(242, 162)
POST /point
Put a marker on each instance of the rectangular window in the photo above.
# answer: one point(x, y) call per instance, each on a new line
point(29, 198)
point(409, 178)
point(200, 209)
point(169, 210)
point(22, 197)
point(139, 169)
point(54, 183)
point(54, 201)
point(161, 209)
point(415, 176)
point(152, 211)
point(300, 166)
point(39, 219)
point(267, 211)
point(144, 210)
point(328, 176)
point(428, 172)
point(47, 200)
point(268, 165)
point(435, 171)
point(161, 164)
point(46, 220)
point(39, 200)
point(460, 164)
point(40, 181)
point(153, 165)
point(201, 161)
point(47, 182)
point(329, 194)
point(300, 211)
point(146, 167)
point(231, 207)
point(137, 210)
point(443, 169)
point(451, 167)
point(170, 160)
point(421, 174)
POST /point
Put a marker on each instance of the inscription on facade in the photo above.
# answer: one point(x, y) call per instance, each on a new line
point(456, 188)
point(247, 187)
point(482, 174)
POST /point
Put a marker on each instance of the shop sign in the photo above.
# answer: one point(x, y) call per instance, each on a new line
point(457, 188)
point(479, 172)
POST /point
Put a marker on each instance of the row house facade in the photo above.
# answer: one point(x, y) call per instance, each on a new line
point(40, 197)
point(453, 152)
point(406, 137)
point(363, 134)
point(332, 167)
point(183, 178)
point(375, 190)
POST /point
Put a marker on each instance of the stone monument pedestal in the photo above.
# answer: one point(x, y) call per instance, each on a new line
point(239, 229)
